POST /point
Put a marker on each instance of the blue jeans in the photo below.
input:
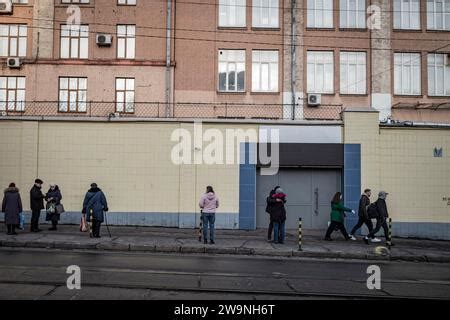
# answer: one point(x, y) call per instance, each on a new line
point(278, 231)
point(208, 220)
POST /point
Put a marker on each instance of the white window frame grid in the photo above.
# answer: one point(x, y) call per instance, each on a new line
point(75, 1)
point(126, 2)
point(433, 17)
point(356, 85)
point(351, 17)
point(313, 13)
point(405, 66)
point(69, 105)
point(403, 17)
point(266, 81)
point(316, 59)
point(433, 65)
point(126, 41)
point(13, 40)
point(238, 64)
point(12, 86)
point(232, 13)
point(126, 103)
point(74, 37)
point(266, 13)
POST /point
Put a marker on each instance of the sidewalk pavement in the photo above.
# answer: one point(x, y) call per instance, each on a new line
point(235, 242)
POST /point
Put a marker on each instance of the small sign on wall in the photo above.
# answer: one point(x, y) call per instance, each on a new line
point(446, 199)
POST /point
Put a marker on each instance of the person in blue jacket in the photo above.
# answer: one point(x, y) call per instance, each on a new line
point(95, 200)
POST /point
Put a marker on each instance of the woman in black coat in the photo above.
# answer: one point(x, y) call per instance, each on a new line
point(12, 207)
point(53, 198)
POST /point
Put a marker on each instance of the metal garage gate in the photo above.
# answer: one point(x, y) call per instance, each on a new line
point(309, 193)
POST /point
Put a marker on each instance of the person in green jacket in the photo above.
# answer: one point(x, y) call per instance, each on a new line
point(337, 217)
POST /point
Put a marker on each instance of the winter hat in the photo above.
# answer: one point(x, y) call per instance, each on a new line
point(382, 194)
point(279, 190)
point(39, 181)
point(93, 185)
point(12, 185)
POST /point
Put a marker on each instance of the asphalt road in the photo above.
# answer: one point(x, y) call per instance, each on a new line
point(41, 274)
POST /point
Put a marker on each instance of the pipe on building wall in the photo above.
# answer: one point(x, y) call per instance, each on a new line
point(293, 53)
point(168, 55)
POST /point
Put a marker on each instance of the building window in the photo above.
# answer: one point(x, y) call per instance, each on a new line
point(232, 70)
point(20, 1)
point(320, 73)
point(12, 93)
point(232, 13)
point(438, 14)
point(265, 13)
point(124, 94)
point(407, 14)
point(126, 41)
point(320, 14)
point(407, 74)
point(127, 2)
point(72, 94)
point(353, 14)
point(353, 72)
point(74, 41)
point(13, 40)
point(264, 71)
point(438, 75)
point(75, 1)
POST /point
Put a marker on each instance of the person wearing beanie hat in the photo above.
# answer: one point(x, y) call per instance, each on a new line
point(36, 204)
point(12, 207)
point(95, 206)
point(382, 217)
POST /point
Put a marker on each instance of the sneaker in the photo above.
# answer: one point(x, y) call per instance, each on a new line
point(375, 240)
point(366, 240)
point(352, 237)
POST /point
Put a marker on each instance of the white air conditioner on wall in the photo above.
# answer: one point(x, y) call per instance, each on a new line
point(104, 40)
point(6, 6)
point(314, 99)
point(13, 62)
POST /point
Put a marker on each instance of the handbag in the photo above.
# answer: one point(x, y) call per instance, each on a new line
point(59, 208)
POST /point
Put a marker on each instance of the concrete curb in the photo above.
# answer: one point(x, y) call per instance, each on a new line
point(208, 249)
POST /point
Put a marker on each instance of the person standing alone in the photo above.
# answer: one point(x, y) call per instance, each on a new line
point(209, 202)
point(94, 205)
point(12, 207)
point(36, 204)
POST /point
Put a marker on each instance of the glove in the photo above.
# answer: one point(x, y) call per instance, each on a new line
point(106, 209)
point(84, 210)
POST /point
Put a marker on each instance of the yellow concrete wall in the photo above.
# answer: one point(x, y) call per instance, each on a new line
point(400, 161)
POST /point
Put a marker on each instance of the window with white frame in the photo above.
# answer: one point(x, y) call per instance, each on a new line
point(353, 72)
point(20, 1)
point(320, 14)
point(407, 74)
point(125, 95)
point(232, 70)
point(232, 13)
point(74, 41)
point(72, 94)
point(75, 1)
point(127, 2)
point(407, 14)
point(438, 14)
point(13, 40)
point(320, 73)
point(126, 41)
point(353, 14)
point(438, 75)
point(265, 13)
point(12, 93)
point(264, 71)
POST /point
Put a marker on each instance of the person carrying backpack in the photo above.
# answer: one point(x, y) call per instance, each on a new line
point(379, 211)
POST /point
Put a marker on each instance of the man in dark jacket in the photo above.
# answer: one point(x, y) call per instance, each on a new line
point(278, 215)
point(381, 218)
point(36, 204)
point(363, 216)
point(12, 207)
point(94, 205)
point(269, 209)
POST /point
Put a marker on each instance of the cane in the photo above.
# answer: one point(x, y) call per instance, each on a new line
point(107, 226)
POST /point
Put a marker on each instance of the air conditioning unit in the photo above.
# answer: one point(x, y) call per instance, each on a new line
point(103, 40)
point(6, 6)
point(314, 99)
point(13, 62)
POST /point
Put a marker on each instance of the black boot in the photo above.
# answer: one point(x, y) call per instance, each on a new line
point(13, 230)
point(9, 227)
point(53, 228)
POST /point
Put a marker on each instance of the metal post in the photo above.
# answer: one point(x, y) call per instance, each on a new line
point(300, 234)
point(388, 242)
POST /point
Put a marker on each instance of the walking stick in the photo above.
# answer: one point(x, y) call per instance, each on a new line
point(106, 221)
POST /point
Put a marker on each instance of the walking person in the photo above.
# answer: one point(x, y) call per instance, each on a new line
point(36, 204)
point(363, 215)
point(53, 198)
point(209, 202)
point(269, 208)
point(278, 214)
point(382, 216)
point(94, 205)
point(337, 218)
point(12, 207)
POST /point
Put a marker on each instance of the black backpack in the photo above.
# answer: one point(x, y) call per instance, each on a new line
point(372, 211)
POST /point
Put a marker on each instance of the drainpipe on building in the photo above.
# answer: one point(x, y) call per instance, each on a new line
point(293, 54)
point(168, 54)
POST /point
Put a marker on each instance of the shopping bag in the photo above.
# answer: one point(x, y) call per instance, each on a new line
point(22, 221)
point(59, 208)
point(83, 225)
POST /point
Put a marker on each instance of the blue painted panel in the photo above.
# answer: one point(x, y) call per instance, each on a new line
point(247, 188)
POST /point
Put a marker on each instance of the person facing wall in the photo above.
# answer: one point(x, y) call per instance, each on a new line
point(209, 203)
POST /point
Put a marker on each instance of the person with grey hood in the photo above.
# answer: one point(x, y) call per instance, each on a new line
point(382, 216)
point(12, 207)
point(208, 203)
